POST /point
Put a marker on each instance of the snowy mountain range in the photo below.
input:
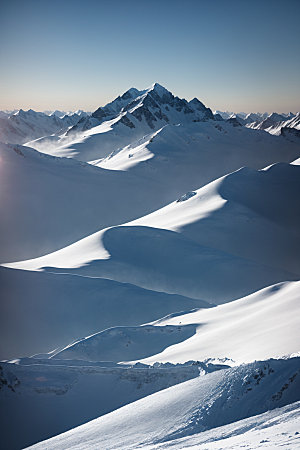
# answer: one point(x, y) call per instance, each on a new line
point(149, 276)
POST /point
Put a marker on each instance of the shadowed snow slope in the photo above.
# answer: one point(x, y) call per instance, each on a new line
point(188, 408)
point(43, 311)
point(228, 239)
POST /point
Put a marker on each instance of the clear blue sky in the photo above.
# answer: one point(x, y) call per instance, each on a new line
point(236, 55)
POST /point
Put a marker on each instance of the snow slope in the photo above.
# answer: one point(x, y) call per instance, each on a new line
point(224, 241)
point(188, 408)
point(42, 311)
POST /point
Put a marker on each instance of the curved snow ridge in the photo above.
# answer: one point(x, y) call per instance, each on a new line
point(188, 408)
point(76, 255)
point(264, 324)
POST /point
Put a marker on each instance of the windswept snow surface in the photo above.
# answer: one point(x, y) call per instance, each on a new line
point(201, 404)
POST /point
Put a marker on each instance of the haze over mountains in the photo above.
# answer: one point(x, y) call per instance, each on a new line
point(151, 245)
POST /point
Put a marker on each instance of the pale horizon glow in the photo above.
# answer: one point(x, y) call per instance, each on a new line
point(71, 55)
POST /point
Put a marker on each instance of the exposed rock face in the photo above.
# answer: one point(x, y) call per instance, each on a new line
point(127, 122)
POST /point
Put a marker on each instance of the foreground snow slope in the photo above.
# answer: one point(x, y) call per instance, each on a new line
point(40, 400)
point(188, 408)
point(230, 238)
point(43, 311)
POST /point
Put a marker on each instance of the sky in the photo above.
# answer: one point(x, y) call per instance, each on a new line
point(234, 55)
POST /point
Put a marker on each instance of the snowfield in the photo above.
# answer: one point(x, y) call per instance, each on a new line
point(149, 277)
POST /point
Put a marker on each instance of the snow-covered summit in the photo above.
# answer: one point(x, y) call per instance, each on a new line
point(155, 105)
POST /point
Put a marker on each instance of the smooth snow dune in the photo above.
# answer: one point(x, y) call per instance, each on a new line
point(259, 326)
point(42, 311)
point(161, 260)
point(188, 408)
point(230, 238)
